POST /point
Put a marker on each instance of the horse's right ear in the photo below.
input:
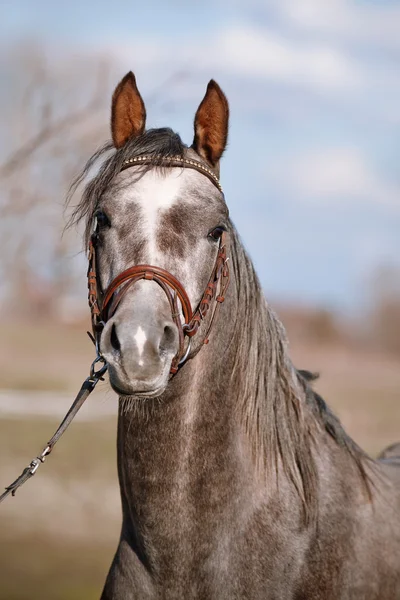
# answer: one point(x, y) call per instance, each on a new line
point(211, 125)
point(128, 113)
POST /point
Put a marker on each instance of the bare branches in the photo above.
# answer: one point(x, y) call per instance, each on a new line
point(50, 129)
point(24, 153)
point(56, 117)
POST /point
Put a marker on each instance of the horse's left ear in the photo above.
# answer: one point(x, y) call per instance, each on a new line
point(128, 113)
point(211, 125)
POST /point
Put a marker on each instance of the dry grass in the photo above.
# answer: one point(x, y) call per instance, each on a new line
point(44, 356)
point(41, 567)
point(363, 389)
point(60, 531)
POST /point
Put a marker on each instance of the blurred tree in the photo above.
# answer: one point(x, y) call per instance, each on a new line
point(313, 325)
point(54, 121)
point(57, 115)
point(322, 327)
point(385, 311)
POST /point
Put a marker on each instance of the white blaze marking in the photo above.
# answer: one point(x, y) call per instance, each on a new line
point(140, 339)
point(157, 193)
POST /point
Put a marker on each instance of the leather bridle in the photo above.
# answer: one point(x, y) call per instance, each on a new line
point(103, 305)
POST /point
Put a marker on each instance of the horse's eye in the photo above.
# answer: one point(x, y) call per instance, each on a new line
point(101, 219)
point(216, 233)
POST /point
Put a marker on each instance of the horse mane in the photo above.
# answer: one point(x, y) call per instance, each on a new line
point(333, 426)
point(157, 143)
point(275, 398)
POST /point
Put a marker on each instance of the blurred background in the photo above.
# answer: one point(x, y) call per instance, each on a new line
point(312, 181)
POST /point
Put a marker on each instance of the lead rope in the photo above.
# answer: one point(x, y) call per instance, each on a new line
point(87, 388)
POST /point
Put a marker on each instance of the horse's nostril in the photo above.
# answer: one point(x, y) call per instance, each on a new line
point(168, 338)
point(114, 338)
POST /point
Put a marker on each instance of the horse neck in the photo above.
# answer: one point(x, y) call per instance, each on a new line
point(190, 446)
point(232, 433)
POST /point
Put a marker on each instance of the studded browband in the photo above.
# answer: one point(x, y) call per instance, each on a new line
point(173, 161)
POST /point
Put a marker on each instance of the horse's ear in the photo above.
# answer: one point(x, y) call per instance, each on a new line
point(211, 125)
point(128, 113)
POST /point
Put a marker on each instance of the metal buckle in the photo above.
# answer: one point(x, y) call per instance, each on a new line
point(33, 467)
point(98, 375)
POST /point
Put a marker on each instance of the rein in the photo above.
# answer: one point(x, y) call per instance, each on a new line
point(104, 305)
point(87, 388)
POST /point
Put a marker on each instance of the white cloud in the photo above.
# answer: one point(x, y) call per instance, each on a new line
point(297, 56)
point(264, 53)
point(252, 52)
point(332, 176)
point(373, 23)
point(332, 173)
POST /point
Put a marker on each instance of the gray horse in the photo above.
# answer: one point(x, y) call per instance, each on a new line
point(237, 481)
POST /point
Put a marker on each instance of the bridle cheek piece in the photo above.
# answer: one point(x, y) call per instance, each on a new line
point(104, 305)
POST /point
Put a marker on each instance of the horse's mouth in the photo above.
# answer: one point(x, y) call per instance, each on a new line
point(136, 393)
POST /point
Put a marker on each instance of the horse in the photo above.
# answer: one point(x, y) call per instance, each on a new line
point(236, 479)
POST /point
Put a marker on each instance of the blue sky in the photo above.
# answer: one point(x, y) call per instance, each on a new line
point(311, 173)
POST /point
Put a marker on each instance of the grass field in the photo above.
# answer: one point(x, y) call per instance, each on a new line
point(59, 533)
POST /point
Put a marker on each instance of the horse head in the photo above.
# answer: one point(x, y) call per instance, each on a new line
point(159, 240)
